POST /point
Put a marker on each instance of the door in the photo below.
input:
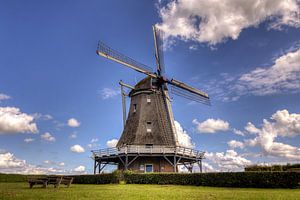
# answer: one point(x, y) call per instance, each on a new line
point(148, 168)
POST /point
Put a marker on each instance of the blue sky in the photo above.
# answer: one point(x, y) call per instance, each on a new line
point(246, 58)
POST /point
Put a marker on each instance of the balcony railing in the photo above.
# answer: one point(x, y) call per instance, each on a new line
point(142, 149)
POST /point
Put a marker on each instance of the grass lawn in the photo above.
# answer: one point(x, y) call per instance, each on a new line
point(157, 192)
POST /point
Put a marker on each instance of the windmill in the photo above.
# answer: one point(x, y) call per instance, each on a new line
point(149, 140)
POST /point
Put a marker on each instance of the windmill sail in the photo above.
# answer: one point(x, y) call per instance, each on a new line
point(159, 49)
point(188, 92)
point(107, 52)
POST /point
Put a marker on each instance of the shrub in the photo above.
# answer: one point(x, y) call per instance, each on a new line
point(96, 179)
point(226, 179)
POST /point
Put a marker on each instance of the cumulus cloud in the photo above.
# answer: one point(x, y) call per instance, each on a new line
point(183, 137)
point(93, 143)
point(73, 123)
point(77, 149)
point(112, 143)
point(61, 164)
point(281, 76)
point(80, 169)
point(12, 120)
point(281, 124)
point(235, 144)
point(4, 97)
point(28, 140)
point(48, 137)
point(227, 161)
point(238, 132)
point(107, 93)
point(211, 125)
point(213, 22)
point(11, 164)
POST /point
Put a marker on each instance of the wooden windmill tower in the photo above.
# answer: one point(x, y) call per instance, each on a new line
point(149, 141)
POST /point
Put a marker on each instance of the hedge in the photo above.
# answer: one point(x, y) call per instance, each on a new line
point(226, 179)
point(96, 179)
point(223, 179)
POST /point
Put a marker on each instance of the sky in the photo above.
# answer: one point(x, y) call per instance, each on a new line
point(59, 100)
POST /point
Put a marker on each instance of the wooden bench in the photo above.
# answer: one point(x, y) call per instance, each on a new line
point(54, 180)
point(37, 181)
point(67, 180)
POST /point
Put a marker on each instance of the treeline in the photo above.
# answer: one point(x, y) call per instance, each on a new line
point(272, 168)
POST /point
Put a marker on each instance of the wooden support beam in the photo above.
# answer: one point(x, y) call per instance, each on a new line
point(168, 160)
point(132, 160)
point(99, 165)
point(126, 162)
point(175, 164)
point(200, 165)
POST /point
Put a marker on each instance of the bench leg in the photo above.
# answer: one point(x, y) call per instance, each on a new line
point(31, 185)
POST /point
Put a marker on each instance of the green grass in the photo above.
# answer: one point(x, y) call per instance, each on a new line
point(128, 191)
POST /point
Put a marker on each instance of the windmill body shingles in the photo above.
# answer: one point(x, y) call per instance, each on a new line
point(145, 115)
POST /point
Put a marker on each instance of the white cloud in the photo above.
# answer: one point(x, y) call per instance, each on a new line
point(282, 76)
point(238, 132)
point(39, 116)
point(227, 161)
point(112, 143)
point(282, 124)
point(287, 125)
point(183, 137)
point(10, 164)
point(94, 140)
point(94, 143)
point(80, 169)
point(12, 120)
point(251, 128)
point(207, 167)
point(48, 162)
point(77, 149)
point(4, 97)
point(73, 135)
point(48, 137)
point(108, 93)
point(211, 125)
point(73, 123)
point(61, 164)
point(28, 140)
point(213, 22)
point(193, 47)
point(235, 144)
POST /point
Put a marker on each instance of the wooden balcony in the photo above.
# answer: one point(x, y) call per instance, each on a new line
point(148, 150)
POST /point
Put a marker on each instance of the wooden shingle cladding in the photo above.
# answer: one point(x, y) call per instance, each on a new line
point(144, 113)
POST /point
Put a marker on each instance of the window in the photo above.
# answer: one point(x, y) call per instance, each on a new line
point(148, 99)
point(148, 168)
point(134, 107)
point(149, 145)
point(149, 127)
point(142, 167)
